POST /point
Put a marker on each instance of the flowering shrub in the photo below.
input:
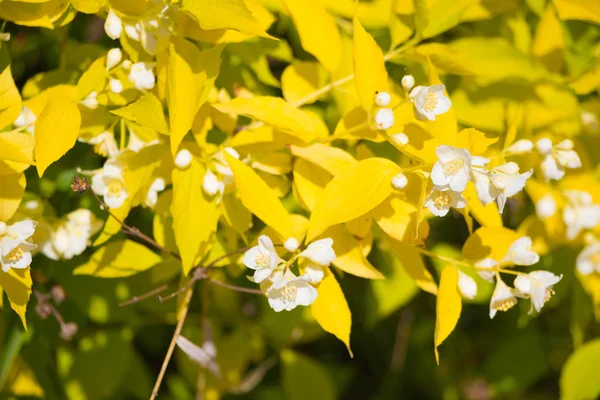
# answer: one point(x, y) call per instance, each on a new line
point(262, 174)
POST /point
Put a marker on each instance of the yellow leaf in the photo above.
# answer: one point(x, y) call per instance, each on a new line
point(444, 126)
point(276, 112)
point(314, 23)
point(259, 198)
point(397, 217)
point(332, 159)
point(301, 80)
point(511, 134)
point(274, 163)
point(447, 307)
point(16, 283)
point(10, 99)
point(224, 14)
point(489, 242)
point(354, 124)
point(588, 81)
point(12, 188)
point(195, 216)
point(475, 141)
point(331, 311)
point(584, 10)
point(146, 111)
point(548, 42)
point(486, 215)
point(112, 226)
point(56, 131)
point(370, 75)
point(17, 147)
point(42, 14)
point(93, 79)
point(89, 6)
point(412, 262)
point(367, 184)
point(441, 56)
point(309, 183)
point(118, 260)
point(442, 16)
point(349, 251)
point(235, 214)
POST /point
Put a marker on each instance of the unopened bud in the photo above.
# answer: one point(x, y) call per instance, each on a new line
point(115, 85)
point(408, 82)
point(545, 207)
point(291, 244)
point(383, 99)
point(400, 139)
point(384, 118)
point(520, 147)
point(399, 181)
point(113, 58)
point(466, 286)
point(183, 159)
point(544, 145)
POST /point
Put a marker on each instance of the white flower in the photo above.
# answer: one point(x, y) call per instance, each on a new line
point(401, 139)
point(383, 99)
point(314, 273)
point(440, 200)
point(384, 118)
point(557, 158)
point(320, 252)
point(110, 184)
point(72, 235)
point(113, 58)
point(452, 169)
point(580, 213)
point(399, 181)
point(590, 121)
point(520, 252)
point(537, 285)
point(91, 100)
point(503, 298)
point(262, 258)
point(141, 75)
point(429, 101)
point(291, 244)
point(183, 159)
point(216, 183)
point(545, 207)
point(113, 26)
point(408, 82)
point(520, 147)
point(212, 184)
point(483, 265)
point(154, 30)
point(588, 261)
point(152, 196)
point(115, 85)
point(289, 292)
point(26, 119)
point(15, 244)
point(499, 183)
point(466, 286)
point(104, 144)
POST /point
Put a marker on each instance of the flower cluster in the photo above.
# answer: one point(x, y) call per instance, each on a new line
point(16, 244)
point(284, 289)
point(69, 236)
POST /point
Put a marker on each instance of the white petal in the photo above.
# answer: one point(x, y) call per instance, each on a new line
point(250, 256)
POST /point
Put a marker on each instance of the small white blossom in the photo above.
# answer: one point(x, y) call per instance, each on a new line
point(588, 261)
point(383, 99)
point(429, 101)
point(104, 144)
point(291, 291)
point(384, 118)
point(452, 168)
point(520, 147)
point(113, 58)
point(15, 244)
point(217, 182)
point(314, 273)
point(91, 100)
point(499, 183)
point(520, 252)
point(320, 252)
point(113, 26)
point(557, 158)
point(141, 75)
point(109, 182)
point(580, 213)
point(26, 119)
point(503, 298)
point(183, 159)
point(485, 264)
point(71, 235)
point(545, 207)
point(158, 185)
point(115, 85)
point(291, 244)
point(401, 139)
point(212, 184)
point(537, 286)
point(440, 200)
point(399, 181)
point(467, 286)
point(544, 146)
point(262, 258)
point(408, 82)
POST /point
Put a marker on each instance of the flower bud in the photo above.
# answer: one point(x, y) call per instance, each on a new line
point(115, 85)
point(544, 145)
point(466, 285)
point(383, 99)
point(545, 207)
point(384, 118)
point(141, 75)
point(126, 65)
point(183, 159)
point(291, 244)
point(91, 100)
point(113, 26)
point(520, 147)
point(408, 82)
point(399, 181)
point(400, 139)
point(113, 58)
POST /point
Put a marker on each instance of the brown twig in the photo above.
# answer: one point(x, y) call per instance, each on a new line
point(144, 296)
point(163, 369)
point(45, 307)
point(234, 287)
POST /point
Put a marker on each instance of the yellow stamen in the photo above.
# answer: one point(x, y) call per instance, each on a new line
point(431, 101)
point(289, 293)
point(15, 255)
point(115, 188)
point(262, 260)
point(443, 199)
point(506, 304)
point(454, 166)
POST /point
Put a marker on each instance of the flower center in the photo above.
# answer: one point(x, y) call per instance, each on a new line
point(431, 101)
point(289, 293)
point(15, 255)
point(452, 167)
point(443, 199)
point(506, 304)
point(115, 188)
point(101, 149)
point(262, 260)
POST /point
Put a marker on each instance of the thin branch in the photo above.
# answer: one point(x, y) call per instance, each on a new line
point(234, 287)
point(163, 369)
point(144, 296)
point(178, 291)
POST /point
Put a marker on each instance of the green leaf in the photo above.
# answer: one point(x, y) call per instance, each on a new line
point(298, 370)
point(579, 377)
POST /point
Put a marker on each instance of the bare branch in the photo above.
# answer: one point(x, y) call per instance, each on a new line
point(144, 296)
